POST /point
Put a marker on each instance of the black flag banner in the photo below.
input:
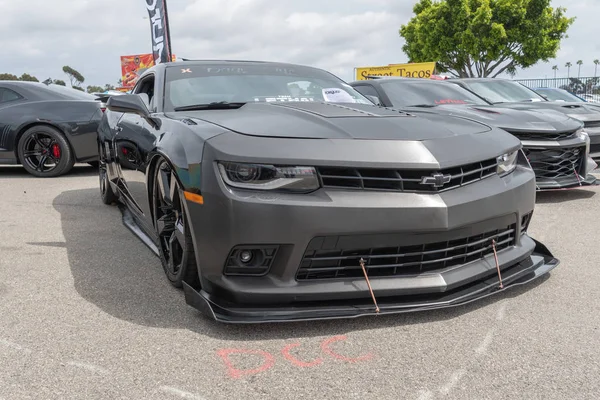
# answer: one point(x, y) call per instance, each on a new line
point(159, 24)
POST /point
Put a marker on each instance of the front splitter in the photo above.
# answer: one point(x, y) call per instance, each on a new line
point(589, 180)
point(538, 264)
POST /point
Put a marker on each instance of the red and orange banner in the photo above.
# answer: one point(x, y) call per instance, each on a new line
point(133, 66)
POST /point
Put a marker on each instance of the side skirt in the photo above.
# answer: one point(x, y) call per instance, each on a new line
point(130, 222)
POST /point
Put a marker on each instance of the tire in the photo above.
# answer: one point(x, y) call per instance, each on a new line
point(107, 194)
point(175, 245)
point(94, 164)
point(42, 145)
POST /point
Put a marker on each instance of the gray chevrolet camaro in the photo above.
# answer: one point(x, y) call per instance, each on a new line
point(555, 144)
point(276, 192)
point(511, 94)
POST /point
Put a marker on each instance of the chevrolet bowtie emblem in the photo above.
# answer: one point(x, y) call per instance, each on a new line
point(436, 180)
point(185, 70)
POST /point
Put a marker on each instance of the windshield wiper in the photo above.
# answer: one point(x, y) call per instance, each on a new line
point(423, 105)
point(217, 105)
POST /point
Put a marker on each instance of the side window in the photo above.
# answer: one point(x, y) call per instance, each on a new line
point(367, 90)
point(147, 87)
point(7, 95)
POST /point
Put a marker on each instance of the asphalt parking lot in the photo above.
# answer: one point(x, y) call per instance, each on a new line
point(86, 313)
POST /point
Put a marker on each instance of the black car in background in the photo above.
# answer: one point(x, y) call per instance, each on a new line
point(511, 94)
point(554, 143)
point(47, 128)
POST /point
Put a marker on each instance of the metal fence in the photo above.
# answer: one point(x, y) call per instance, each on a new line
point(578, 86)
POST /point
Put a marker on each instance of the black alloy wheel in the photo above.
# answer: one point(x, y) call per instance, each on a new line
point(44, 152)
point(170, 220)
point(107, 194)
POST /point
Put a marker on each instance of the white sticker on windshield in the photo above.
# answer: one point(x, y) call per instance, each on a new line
point(335, 95)
point(283, 98)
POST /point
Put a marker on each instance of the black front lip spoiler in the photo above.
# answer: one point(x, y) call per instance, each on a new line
point(538, 264)
point(590, 180)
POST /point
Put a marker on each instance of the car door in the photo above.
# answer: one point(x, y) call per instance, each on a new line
point(133, 142)
point(8, 98)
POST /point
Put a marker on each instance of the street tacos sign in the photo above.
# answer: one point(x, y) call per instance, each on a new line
point(410, 70)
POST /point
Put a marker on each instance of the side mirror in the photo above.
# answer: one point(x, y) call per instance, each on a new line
point(128, 103)
point(374, 99)
point(132, 104)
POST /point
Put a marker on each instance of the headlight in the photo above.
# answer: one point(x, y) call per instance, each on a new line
point(269, 177)
point(582, 134)
point(507, 163)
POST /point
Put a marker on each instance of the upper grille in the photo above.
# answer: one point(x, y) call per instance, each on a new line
point(591, 124)
point(543, 136)
point(401, 260)
point(555, 163)
point(405, 180)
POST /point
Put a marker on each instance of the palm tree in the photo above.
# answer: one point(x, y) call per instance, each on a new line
point(568, 66)
point(555, 68)
point(580, 63)
point(596, 62)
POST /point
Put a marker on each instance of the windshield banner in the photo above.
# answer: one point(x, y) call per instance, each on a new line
point(410, 70)
point(159, 25)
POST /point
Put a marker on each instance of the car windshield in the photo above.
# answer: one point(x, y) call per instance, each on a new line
point(405, 93)
point(204, 84)
point(502, 91)
point(559, 95)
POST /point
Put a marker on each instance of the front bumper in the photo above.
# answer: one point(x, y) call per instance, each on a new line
point(347, 220)
point(561, 164)
point(538, 264)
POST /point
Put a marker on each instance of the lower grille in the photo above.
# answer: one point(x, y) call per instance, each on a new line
point(543, 136)
point(401, 260)
point(556, 163)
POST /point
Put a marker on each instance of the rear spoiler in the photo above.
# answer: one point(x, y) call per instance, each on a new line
point(103, 97)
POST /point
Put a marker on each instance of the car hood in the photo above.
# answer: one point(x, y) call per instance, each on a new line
point(317, 120)
point(513, 120)
point(580, 111)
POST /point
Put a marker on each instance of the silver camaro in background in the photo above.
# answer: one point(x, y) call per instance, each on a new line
point(556, 145)
point(276, 192)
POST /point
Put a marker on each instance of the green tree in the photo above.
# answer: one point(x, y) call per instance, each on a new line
point(484, 38)
point(28, 78)
point(580, 63)
point(596, 62)
point(555, 68)
point(78, 88)
point(59, 82)
point(8, 77)
point(74, 76)
point(568, 67)
point(108, 86)
point(94, 89)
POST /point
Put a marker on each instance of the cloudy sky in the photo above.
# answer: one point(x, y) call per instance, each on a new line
point(40, 36)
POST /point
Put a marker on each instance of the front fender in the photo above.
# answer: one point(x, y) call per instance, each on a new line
point(182, 146)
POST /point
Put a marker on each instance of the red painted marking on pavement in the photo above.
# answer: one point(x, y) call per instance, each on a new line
point(286, 353)
point(325, 348)
point(268, 362)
